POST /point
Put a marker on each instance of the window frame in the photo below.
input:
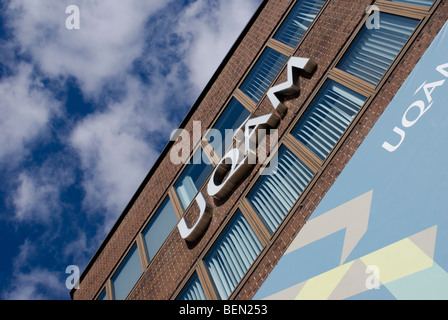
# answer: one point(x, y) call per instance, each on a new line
point(110, 291)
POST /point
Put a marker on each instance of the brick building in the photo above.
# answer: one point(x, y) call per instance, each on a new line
point(248, 224)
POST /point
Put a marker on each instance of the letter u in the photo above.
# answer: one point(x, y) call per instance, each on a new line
point(388, 146)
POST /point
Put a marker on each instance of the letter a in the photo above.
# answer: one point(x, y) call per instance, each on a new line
point(373, 21)
point(73, 20)
point(72, 280)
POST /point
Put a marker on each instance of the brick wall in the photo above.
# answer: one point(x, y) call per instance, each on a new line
point(175, 260)
point(335, 18)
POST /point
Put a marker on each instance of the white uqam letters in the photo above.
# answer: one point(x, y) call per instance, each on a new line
point(421, 106)
point(235, 163)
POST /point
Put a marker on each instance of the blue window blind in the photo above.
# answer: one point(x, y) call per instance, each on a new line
point(158, 229)
point(422, 3)
point(263, 73)
point(298, 21)
point(127, 275)
point(193, 290)
point(231, 119)
point(374, 50)
point(327, 118)
point(232, 255)
point(274, 195)
point(192, 179)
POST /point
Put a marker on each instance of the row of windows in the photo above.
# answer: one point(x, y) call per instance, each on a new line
point(271, 198)
point(319, 129)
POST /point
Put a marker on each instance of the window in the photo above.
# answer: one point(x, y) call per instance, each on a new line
point(231, 119)
point(422, 3)
point(374, 50)
point(232, 255)
point(298, 21)
point(327, 118)
point(263, 73)
point(127, 275)
point(103, 295)
point(192, 179)
point(274, 195)
point(158, 229)
point(193, 290)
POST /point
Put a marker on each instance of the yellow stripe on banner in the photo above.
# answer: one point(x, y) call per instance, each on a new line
point(398, 260)
point(321, 287)
point(394, 262)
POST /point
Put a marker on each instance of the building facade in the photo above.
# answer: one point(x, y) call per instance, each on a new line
point(298, 224)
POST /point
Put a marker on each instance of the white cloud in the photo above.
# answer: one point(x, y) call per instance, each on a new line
point(116, 145)
point(210, 28)
point(115, 156)
point(26, 108)
point(37, 197)
point(110, 38)
point(33, 201)
point(35, 284)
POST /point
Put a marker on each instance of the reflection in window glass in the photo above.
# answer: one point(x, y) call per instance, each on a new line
point(263, 73)
point(103, 295)
point(231, 119)
point(192, 179)
point(158, 229)
point(127, 275)
point(298, 21)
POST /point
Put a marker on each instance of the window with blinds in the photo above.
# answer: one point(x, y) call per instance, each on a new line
point(232, 255)
point(374, 50)
point(326, 119)
point(274, 195)
point(158, 229)
point(193, 290)
point(263, 73)
point(298, 21)
point(127, 275)
point(421, 3)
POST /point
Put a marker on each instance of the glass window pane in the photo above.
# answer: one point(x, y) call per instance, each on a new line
point(231, 119)
point(232, 255)
point(298, 21)
point(422, 3)
point(263, 73)
point(192, 179)
point(374, 50)
point(127, 275)
point(327, 118)
point(274, 195)
point(193, 290)
point(158, 229)
point(103, 295)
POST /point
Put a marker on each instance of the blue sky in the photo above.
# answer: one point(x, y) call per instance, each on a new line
point(85, 114)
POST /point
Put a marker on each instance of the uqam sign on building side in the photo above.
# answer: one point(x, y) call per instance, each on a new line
point(381, 231)
point(234, 165)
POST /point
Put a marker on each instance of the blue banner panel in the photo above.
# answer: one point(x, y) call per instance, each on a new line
point(381, 232)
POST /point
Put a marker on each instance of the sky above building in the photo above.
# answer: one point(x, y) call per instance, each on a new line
point(85, 114)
